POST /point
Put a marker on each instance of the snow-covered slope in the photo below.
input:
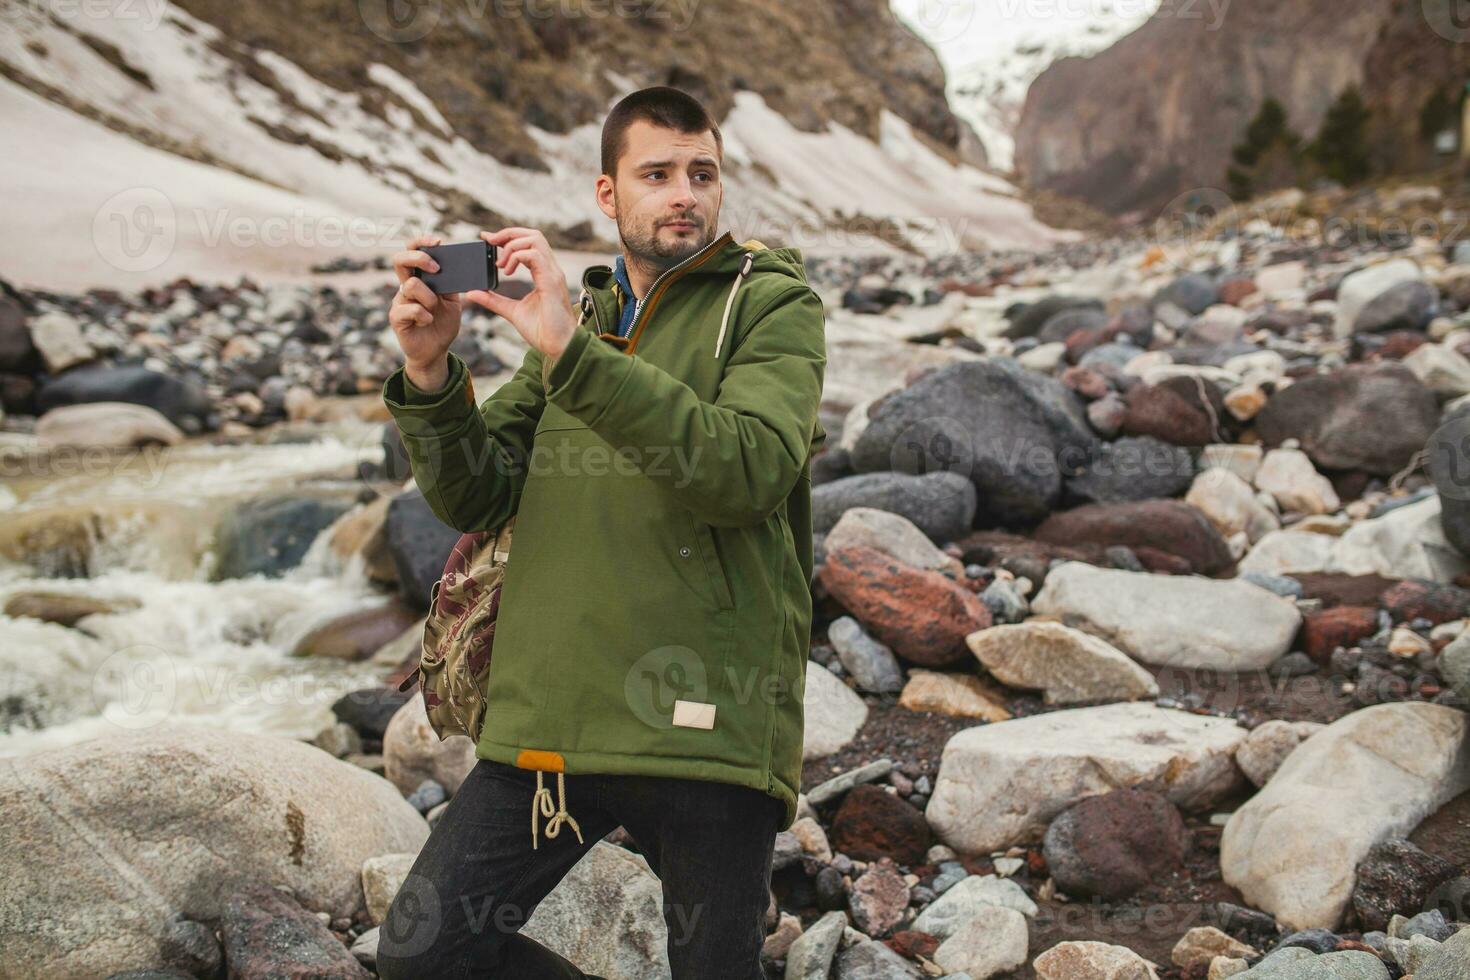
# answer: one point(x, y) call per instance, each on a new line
point(155, 149)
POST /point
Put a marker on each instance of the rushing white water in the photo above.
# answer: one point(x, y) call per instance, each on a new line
point(192, 651)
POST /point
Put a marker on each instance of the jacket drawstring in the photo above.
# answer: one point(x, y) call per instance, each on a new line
point(541, 806)
point(745, 264)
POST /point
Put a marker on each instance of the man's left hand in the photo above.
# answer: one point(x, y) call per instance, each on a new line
point(543, 316)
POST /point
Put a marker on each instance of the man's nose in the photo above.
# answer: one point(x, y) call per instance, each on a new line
point(684, 194)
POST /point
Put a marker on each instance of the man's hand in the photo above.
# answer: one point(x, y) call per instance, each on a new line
point(543, 316)
point(426, 324)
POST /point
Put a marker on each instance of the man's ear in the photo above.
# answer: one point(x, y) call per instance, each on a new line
point(606, 200)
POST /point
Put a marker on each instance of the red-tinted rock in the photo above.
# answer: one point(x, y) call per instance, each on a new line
point(1335, 589)
point(872, 823)
point(1175, 411)
point(1399, 345)
point(1112, 845)
point(1419, 599)
point(1234, 291)
point(911, 944)
point(1086, 382)
point(267, 934)
point(1342, 626)
point(921, 615)
point(1170, 526)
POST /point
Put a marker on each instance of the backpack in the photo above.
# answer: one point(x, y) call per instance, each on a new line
point(454, 662)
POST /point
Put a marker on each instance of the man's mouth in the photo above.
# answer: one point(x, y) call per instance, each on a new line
point(681, 225)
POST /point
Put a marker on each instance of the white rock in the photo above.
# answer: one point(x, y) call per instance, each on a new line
point(1282, 278)
point(943, 916)
point(58, 338)
point(1090, 960)
point(110, 425)
point(1292, 849)
point(1443, 370)
point(1002, 784)
point(834, 713)
point(1289, 552)
point(606, 916)
point(382, 876)
point(1364, 286)
point(1230, 504)
point(892, 534)
point(1268, 745)
point(412, 752)
point(1407, 542)
point(103, 841)
point(1067, 664)
point(1043, 358)
point(1173, 620)
point(1202, 944)
point(1239, 458)
point(1289, 476)
point(993, 941)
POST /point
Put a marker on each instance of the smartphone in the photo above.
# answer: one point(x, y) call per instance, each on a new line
point(462, 266)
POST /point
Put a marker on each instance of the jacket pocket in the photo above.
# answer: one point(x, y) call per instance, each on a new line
point(714, 566)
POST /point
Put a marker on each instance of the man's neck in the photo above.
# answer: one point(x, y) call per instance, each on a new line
point(640, 275)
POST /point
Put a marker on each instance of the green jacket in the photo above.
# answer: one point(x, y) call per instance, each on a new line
point(656, 612)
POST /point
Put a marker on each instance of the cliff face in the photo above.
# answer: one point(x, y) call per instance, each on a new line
point(494, 66)
point(1159, 112)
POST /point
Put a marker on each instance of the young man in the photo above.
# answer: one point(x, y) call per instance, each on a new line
point(655, 619)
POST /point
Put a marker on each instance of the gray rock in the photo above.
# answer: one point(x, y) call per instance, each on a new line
point(873, 960)
point(871, 664)
point(942, 504)
point(810, 956)
point(1131, 468)
point(270, 536)
point(1015, 434)
point(1404, 306)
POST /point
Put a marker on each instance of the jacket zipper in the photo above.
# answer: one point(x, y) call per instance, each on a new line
point(661, 284)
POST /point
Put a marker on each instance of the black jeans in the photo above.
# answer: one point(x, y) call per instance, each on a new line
point(477, 879)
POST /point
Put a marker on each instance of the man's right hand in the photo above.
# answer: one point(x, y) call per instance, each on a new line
point(426, 324)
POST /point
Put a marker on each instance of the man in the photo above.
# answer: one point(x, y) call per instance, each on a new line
point(652, 638)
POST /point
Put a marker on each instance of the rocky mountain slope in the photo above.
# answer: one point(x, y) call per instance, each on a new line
point(1158, 113)
point(196, 125)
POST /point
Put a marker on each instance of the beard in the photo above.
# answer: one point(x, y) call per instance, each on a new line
point(657, 253)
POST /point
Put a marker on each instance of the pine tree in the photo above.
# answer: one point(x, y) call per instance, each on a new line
point(1340, 148)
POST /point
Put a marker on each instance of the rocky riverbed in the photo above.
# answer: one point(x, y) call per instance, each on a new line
point(1139, 649)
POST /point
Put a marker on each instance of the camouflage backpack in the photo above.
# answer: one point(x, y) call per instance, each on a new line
point(454, 665)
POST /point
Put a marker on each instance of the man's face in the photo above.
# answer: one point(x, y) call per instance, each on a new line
point(667, 194)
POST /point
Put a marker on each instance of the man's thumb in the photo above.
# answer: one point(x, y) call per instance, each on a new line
point(492, 301)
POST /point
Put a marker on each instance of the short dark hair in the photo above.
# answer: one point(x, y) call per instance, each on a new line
point(661, 106)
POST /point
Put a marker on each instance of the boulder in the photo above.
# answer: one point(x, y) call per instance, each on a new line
point(106, 425)
point(1292, 849)
point(412, 752)
point(961, 695)
point(1068, 665)
point(1002, 784)
point(921, 615)
point(1130, 468)
point(1169, 526)
point(174, 822)
point(1407, 542)
point(1092, 960)
point(942, 505)
point(1014, 434)
point(1173, 620)
point(833, 713)
point(183, 402)
point(1371, 417)
point(1115, 844)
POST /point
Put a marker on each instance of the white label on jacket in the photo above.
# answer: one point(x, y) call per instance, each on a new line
point(694, 714)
